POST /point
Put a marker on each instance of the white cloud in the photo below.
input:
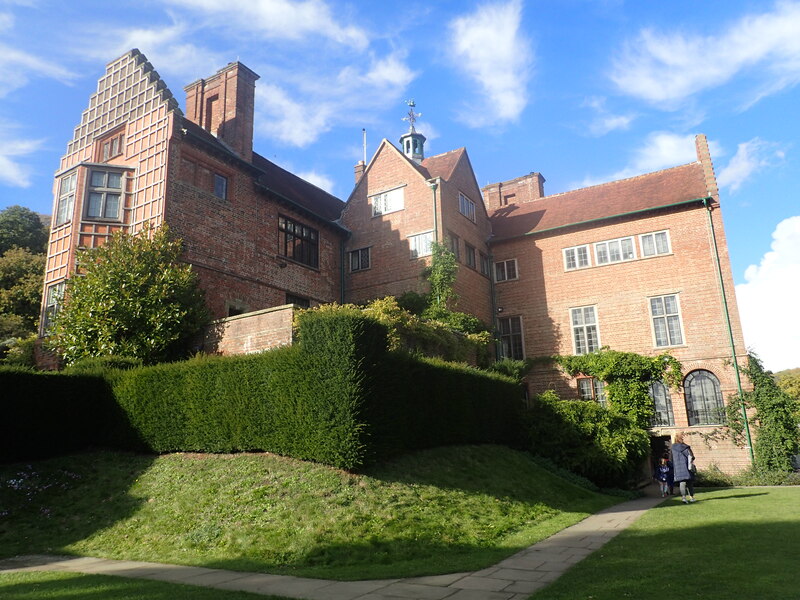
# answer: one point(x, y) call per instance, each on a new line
point(752, 156)
point(13, 172)
point(300, 115)
point(17, 68)
point(768, 300)
point(666, 68)
point(320, 180)
point(605, 122)
point(660, 150)
point(280, 19)
point(489, 47)
point(165, 47)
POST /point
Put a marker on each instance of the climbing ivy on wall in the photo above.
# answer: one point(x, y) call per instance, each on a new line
point(774, 415)
point(627, 376)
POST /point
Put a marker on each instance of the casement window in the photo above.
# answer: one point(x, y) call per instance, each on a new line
point(591, 388)
point(614, 251)
point(112, 147)
point(704, 403)
point(506, 270)
point(387, 202)
point(298, 242)
point(359, 259)
point(576, 258)
point(298, 300)
point(665, 312)
point(104, 197)
point(654, 244)
point(510, 334)
point(53, 300)
point(220, 186)
point(66, 199)
point(420, 244)
point(485, 264)
point(466, 207)
point(469, 255)
point(585, 334)
point(662, 405)
point(454, 245)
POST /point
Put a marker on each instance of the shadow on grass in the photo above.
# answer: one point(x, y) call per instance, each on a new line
point(48, 504)
point(703, 550)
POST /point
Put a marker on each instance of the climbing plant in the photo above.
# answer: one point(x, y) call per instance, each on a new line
point(441, 274)
point(774, 416)
point(627, 376)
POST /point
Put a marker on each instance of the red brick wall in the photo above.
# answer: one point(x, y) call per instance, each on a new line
point(251, 332)
point(233, 244)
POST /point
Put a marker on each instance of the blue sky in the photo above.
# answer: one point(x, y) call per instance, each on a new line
point(583, 91)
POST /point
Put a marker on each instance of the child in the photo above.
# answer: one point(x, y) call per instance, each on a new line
point(663, 476)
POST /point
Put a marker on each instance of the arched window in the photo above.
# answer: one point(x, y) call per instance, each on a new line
point(663, 416)
point(704, 404)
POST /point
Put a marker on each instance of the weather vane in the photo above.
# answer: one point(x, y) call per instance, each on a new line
point(412, 116)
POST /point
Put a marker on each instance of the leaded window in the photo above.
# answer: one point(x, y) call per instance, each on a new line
point(298, 242)
point(662, 405)
point(584, 329)
point(704, 403)
point(104, 197)
point(510, 333)
point(666, 317)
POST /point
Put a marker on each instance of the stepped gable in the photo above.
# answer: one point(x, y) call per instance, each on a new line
point(130, 88)
point(676, 185)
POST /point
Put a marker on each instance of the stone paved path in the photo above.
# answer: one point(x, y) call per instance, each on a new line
point(514, 578)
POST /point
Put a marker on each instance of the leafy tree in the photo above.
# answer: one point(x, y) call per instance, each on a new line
point(627, 376)
point(776, 418)
point(133, 298)
point(789, 382)
point(20, 226)
point(21, 280)
point(442, 275)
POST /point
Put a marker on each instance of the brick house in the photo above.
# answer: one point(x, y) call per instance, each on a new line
point(639, 265)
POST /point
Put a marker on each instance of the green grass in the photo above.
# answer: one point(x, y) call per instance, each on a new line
point(732, 544)
point(57, 586)
point(444, 510)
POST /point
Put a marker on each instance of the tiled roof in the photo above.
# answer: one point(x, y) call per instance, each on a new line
point(645, 192)
point(286, 184)
point(441, 165)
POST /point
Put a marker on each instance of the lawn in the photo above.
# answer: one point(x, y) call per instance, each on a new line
point(57, 586)
point(732, 544)
point(440, 511)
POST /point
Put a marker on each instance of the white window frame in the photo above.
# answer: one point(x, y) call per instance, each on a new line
point(53, 300)
point(662, 318)
point(501, 270)
point(65, 203)
point(655, 245)
point(592, 388)
point(574, 253)
point(357, 259)
point(608, 258)
point(421, 244)
point(584, 329)
point(104, 192)
point(388, 202)
point(466, 207)
point(507, 339)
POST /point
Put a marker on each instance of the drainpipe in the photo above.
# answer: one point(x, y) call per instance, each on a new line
point(342, 268)
point(434, 185)
point(726, 313)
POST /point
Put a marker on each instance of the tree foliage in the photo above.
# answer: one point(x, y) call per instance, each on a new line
point(789, 381)
point(775, 416)
point(21, 280)
point(442, 275)
point(133, 297)
point(627, 376)
point(21, 227)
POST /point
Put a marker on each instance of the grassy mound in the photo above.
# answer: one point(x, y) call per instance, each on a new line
point(443, 510)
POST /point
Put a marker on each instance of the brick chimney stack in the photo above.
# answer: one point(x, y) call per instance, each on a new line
point(527, 188)
point(359, 169)
point(224, 104)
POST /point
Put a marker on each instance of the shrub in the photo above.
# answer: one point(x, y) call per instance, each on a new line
point(601, 444)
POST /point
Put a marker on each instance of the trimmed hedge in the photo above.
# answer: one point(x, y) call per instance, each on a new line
point(45, 415)
point(598, 443)
point(337, 398)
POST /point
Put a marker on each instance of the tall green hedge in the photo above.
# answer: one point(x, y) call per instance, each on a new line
point(338, 397)
point(601, 444)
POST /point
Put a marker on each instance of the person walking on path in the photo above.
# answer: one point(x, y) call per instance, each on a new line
point(683, 463)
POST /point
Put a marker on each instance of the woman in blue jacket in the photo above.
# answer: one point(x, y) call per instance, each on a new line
point(683, 463)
